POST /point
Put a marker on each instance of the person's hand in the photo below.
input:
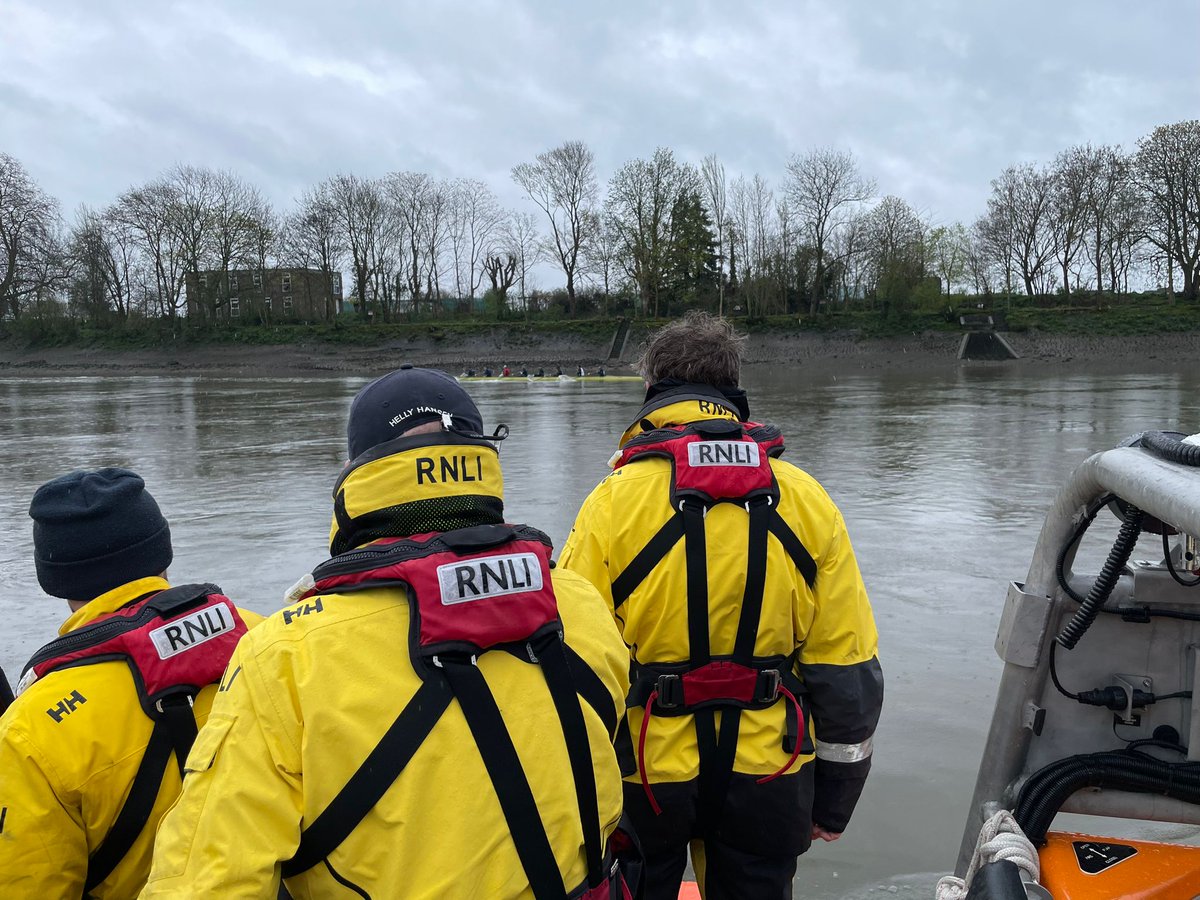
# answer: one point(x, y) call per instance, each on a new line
point(819, 832)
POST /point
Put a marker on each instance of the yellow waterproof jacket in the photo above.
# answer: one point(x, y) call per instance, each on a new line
point(310, 693)
point(69, 748)
point(830, 624)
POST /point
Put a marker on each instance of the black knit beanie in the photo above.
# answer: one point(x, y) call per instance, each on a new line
point(95, 531)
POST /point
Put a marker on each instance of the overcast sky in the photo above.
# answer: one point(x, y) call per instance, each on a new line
point(934, 97)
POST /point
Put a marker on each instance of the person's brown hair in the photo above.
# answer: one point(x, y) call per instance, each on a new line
point(699, 349)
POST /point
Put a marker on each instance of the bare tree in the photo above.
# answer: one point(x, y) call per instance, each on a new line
point(825, 187)
point(1070, 175)
point(641, 198)
point(1110, 196)
point(474, 217)
point(562, 182)
point(501, 270)
point(1018, 223)
point(363, 218)
point(949, 248)
point(716, 200)
point(29, 246)
point(314, 239)
point(896, 248)
point(520, 239)
point(149, 212)
point(752, 203)
point(103, 266)
point(414, 199)
point(605, 259)
point(1167, 168)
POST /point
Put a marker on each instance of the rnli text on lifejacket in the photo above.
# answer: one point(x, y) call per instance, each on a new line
point(183, 634)
point(723, 453)
point(478, 579)
point(453, 468)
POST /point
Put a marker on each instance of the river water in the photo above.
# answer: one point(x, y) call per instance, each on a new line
point(943, 478)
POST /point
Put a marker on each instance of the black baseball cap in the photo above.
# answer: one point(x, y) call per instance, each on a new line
point(401, 400)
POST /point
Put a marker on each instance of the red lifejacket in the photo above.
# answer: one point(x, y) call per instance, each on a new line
point(470, 592)
point(175, 642)
point(715, 461)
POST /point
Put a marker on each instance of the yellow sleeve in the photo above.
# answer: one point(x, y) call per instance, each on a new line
point(43, 845)
point(586, 550)
point(843, 627)
point(239, 814)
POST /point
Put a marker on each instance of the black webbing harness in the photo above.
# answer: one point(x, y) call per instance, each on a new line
point(472, 591)
point(175, 642)
point(715, 461)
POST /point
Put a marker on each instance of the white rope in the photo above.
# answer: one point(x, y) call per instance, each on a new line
point(1000, 838)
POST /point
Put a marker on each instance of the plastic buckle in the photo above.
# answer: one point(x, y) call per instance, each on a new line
point(436, 660)
point(772, 680)
point(670, 691)
point(158, 704)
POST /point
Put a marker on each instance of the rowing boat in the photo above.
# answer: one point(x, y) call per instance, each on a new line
point(564, 379)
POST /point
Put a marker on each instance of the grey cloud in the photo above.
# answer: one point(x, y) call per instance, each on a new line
point(934, 98)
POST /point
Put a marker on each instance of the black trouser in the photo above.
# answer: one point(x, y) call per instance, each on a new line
point(751, 837)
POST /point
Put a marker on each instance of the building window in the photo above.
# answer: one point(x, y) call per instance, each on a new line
point(233, 284)
point(267, 303)
point(337, 285)
point(203, 279)
point(235, 308)
point(258, 279)
point(286, 282)
point(287, 304)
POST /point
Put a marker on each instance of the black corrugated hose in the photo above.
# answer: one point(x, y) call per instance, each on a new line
point(1170, 447)
point(1118, 556)
point(1044, 793)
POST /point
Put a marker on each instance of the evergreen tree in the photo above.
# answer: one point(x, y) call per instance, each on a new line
point(691, 272)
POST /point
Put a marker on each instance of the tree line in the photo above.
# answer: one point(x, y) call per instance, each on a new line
point(661, 236)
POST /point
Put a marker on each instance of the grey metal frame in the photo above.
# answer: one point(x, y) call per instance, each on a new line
point(1162, 654)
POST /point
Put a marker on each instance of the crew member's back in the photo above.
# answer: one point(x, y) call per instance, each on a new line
point(312, 694)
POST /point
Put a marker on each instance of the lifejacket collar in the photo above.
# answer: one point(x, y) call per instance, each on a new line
point(676, 403)
point(414, 485)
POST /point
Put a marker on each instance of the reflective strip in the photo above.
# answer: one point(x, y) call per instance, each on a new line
point(844, 753)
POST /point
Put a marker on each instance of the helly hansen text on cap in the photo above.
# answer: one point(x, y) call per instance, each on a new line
point(401, 400)
point(95, 531)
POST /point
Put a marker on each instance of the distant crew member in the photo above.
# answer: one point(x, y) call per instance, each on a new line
point(524, 372)
point(487, 371)
point(541, 373)
point(506, 371)
point(582, 372)
point(93, 748)
point(433, 718)
point(558, 371)
point(756, 685)
point(470, 373)
point(601, 372)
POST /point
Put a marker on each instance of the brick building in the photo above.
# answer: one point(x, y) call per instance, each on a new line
point(254, 296)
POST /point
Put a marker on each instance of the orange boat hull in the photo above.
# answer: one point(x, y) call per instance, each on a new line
point(1086, 867)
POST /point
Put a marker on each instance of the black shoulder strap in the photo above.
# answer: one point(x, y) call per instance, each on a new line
point(647, 558)
point(556, 665)
point(459, 679)
point(508, 778)
point(717, 769)
point(174, 732)
point(795, 549)
point(374, 777)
